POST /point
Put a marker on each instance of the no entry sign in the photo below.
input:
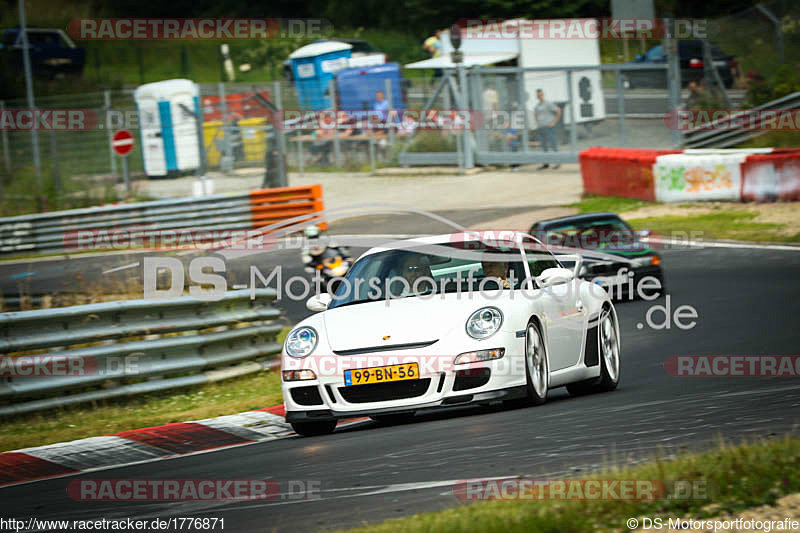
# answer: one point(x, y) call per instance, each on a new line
point(122, 142)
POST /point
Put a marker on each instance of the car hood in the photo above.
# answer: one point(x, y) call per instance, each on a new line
point(400, 321)
point(628, 251)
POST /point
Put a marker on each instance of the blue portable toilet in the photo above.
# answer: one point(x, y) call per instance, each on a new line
point(167, 125)
point(357, 86)
point(313, 67)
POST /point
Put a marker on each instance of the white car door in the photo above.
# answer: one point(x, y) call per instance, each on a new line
point(562, 312)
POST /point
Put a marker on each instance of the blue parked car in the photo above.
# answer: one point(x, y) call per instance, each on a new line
point(52, 52)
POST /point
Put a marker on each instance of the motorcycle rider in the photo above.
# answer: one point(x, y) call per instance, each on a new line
point(323, 255)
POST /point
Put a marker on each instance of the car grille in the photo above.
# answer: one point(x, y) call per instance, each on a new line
point(382, 392)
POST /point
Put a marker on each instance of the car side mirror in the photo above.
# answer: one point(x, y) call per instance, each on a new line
point(639, 57)
point(643, 234)
point(554, 276)
point(319, 302)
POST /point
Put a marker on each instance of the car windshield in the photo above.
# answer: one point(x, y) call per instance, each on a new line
point(590, 234)
point(449, 268)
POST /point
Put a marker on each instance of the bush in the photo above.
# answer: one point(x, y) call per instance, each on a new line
point(433, 141)
point(760, 90)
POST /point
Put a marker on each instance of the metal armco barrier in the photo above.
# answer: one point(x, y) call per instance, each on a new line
point(720, 134)
point(55, 357)
point(82, 229)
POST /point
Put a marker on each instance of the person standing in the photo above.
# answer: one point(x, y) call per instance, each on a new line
point(547, 116)
point(381, 105)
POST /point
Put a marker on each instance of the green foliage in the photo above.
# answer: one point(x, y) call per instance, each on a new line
point(432, 141)
point(784, 81)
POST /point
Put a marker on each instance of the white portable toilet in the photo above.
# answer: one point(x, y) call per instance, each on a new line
point(167, 125)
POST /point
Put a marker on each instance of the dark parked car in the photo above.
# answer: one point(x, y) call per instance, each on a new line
point(360, 48)
point(52, 52)
point(608, 233)
point(690, 53)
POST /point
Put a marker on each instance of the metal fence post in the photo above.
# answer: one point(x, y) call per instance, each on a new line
point(391, 107)
point(466, 135)
point(623, 136)
point(337, 149)
point(673, 75)
point(26, 60)
point(371, 149)
point(483, 136)
point(573, 124)
point(522, 96)
point(55, 167)
point(277, 127)
point(226, 137)
point(6, 153)
point(111, 159)
point(300, 159)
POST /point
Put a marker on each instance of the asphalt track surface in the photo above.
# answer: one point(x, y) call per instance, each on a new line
point(748, 303)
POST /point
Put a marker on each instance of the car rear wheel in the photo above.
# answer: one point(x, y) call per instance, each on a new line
point(608, 344)
point(310, 429)
point(536, 367)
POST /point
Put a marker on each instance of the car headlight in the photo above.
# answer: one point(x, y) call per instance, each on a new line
point(480, 355)
point(484, 322)
point(645, 261)
point(301, 342)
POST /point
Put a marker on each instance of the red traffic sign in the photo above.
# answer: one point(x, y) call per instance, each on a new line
point(122, 142)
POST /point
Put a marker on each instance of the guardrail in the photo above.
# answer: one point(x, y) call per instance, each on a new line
point(719, 134)
point(64, 230)
point(70, 355)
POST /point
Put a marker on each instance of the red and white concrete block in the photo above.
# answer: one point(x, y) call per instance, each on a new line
point(764, 174)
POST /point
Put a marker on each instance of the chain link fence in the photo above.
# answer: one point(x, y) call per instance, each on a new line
point(622, 104)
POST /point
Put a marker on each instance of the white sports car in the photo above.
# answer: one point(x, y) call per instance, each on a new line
point(448, 320)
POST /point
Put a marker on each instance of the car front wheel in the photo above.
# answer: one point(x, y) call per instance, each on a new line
point(536, 367)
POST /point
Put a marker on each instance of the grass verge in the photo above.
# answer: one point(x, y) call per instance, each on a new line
point(702, 220)
point(614, 204)
point(735, 477)
point(733, 225)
